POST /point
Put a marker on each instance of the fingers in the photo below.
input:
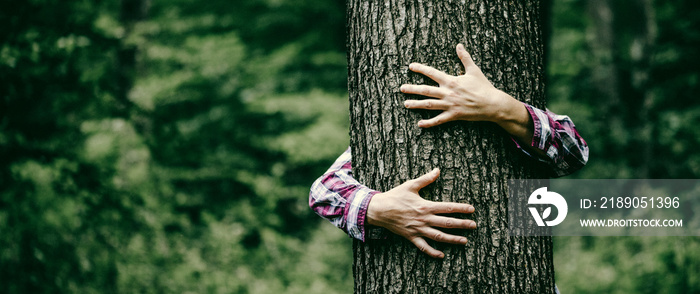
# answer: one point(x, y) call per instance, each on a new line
point(424, 90)
point(437, 120)
point(425, 248)
point(437, 236)
point(430, 72)
point(450, 222)
point(426, 179)
point(440, 236)
point(431, 104)
point(451, 207)
point(465, 57)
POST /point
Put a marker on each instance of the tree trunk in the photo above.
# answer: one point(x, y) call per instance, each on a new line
point(621, 40)
point(476, 159)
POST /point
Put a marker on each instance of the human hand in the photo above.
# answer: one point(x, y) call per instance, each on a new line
point(402, 211)
point(469, 97)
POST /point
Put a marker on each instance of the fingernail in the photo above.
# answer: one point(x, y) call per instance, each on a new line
point(412, 66)
point(463, 241)
point(470, 209)
point(402, 88)
point(406, 104)
point(472, 225)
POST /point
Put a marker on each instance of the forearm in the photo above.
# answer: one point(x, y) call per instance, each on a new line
point(515, 119)
point(471, 97)
point(550, 137)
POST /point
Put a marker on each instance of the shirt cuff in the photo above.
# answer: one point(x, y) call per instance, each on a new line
point(540, 130)
point(356, 216)
point(537, 129)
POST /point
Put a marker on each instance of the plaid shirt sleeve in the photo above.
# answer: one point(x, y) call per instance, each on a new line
point(556, 135)
point(339, 198)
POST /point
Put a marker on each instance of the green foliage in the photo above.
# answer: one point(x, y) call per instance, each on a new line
point(630, 90)
point(57, 207)
point(633, 101)
point(170, 147)
point(172, 153)
point(627, 264)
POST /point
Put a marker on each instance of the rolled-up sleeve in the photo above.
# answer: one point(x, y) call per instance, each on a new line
point(339, 198)
point(556, 135)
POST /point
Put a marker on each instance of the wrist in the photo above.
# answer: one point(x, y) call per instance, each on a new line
point(509, 110)
point(372, 216)
point(515, 119)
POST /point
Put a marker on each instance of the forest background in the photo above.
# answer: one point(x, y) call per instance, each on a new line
point(152, 146)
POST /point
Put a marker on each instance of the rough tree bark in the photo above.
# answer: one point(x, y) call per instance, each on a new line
point(476, 159)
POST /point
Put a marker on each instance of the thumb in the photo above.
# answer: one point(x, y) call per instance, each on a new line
point(426, 179)
point(465, 57)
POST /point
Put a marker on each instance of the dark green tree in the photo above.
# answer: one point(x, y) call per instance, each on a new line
point(58, 206)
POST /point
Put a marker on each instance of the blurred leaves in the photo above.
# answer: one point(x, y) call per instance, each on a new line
point(137, 151)
point(168, 146)
point(624, 72)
